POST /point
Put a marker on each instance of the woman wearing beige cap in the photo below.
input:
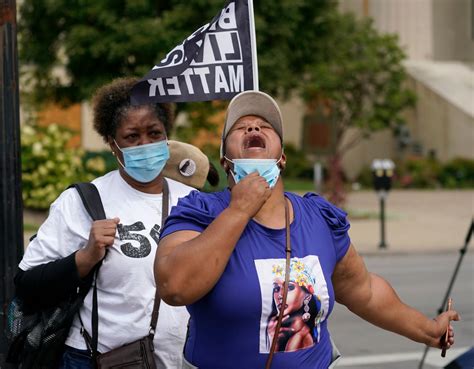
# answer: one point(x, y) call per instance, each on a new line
point(224, 254)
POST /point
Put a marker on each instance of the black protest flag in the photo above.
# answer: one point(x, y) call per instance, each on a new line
point(216, 62)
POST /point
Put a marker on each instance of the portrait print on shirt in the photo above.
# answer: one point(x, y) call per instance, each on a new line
point(306, 306)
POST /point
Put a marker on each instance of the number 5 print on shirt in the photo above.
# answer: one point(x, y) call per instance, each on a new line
point(125, 233)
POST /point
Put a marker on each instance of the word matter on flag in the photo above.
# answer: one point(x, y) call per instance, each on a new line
point(216, 62)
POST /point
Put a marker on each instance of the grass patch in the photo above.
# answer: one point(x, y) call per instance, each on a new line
point(362, 214)
point(298, 185)
point(369, 215)
point(28, 227)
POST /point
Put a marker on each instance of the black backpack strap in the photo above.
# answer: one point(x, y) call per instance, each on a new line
point(91, 199)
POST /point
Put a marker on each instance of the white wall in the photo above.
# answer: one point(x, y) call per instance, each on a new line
point(441, 126)
point(292, 111)
point(428, 29)
point(90, 139)
point(380, 145)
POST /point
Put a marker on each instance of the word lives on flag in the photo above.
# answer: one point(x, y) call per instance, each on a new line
point(216, 62)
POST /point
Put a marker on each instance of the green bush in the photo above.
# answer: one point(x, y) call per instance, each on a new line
point(458, 173)
point(419, 172)
point(298, 166)
point(97, 163)
point(48, 165)
point(365, 177)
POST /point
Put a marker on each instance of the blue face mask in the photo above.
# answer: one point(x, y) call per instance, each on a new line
point(267, 168)
point(145, 162)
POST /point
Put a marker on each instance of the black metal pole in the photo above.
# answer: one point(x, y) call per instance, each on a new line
point(462, 251)
point(11, 211)
point(382, 244)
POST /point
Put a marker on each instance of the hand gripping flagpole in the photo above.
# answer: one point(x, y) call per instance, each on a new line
point(253, 42)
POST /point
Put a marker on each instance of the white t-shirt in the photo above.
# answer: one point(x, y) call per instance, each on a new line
point(126, 284)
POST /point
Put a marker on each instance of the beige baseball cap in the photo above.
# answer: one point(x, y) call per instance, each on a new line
point(187, 164)
point(252, 103)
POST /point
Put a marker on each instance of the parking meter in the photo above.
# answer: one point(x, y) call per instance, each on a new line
point(382, 173)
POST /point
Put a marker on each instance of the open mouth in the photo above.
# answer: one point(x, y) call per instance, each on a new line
point(254, 141)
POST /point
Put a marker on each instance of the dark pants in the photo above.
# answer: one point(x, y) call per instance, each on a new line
point(76, 359)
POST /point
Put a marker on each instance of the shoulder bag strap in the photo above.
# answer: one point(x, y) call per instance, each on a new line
point(164, 215)
point(285, 287)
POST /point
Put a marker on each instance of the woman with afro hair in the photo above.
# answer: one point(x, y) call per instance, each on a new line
point(68, 244)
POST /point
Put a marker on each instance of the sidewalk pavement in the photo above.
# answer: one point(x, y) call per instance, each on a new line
point(417, 221)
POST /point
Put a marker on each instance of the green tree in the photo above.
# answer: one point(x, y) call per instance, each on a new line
point(94, 41)
point(304, 46)
point(89, 41)
point(361, 82)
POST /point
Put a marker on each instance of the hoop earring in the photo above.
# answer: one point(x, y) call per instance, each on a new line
point(306, 315)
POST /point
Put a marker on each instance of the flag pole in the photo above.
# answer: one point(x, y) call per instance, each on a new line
point(253, 42)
